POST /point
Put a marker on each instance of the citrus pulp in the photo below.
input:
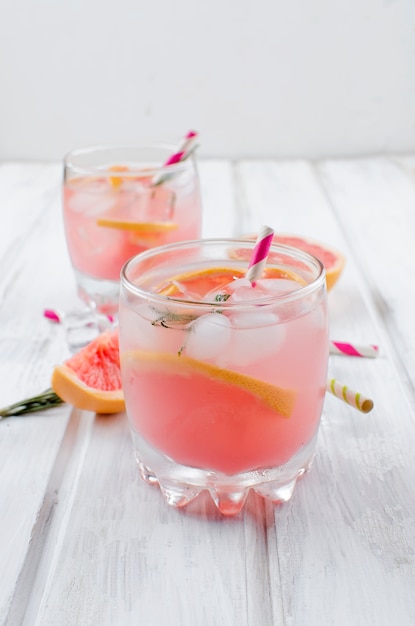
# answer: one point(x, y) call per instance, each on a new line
point(91, 378)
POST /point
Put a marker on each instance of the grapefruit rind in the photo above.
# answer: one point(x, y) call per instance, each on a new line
point(91, 378)
point(72, 390)
point(280, 400)
point(142, 228)
point(222, 275)
point(115, 218)
point(196, 277)
point(116, 181)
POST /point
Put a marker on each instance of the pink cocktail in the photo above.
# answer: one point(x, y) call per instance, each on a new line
point(118, 202)
point(224, 382)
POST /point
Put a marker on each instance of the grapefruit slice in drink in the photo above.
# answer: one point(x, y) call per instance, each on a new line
point(197, 284)
point(146, 210)
point(116, 181)
point(205, 416)
point(247, 389)
point(91, 378)
point(141, 228)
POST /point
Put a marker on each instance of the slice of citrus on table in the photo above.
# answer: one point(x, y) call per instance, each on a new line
point(332, 259)
point(91, 378)
point(280, 400)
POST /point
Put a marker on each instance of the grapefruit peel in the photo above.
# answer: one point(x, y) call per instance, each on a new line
point(142, 228)
point(115, 219)
point(116, 181)
point(280, 400)
point(91, 378)
point(216, 277)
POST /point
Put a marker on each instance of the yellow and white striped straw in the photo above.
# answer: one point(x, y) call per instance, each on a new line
point(349, 396)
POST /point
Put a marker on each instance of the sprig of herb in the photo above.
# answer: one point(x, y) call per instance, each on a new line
point(222, 297)
point(46, 400)
point(185, 322)
point(174, 320)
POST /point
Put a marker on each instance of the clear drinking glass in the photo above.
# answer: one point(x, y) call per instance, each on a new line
point(224, 382)
point(119, 201)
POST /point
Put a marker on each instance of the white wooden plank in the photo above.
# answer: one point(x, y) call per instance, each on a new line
point(220, 217)
point(112, 547)
point(40, 277)
point(31, 274)
point(89, 543)
point(123, 556)
point(374, 200)
point(288, 195)
point(25, 191)
point(350, 527)
point(55, 495)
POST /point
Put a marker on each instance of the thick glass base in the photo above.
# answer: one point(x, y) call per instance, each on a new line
point(98, 293)
point(181, 484)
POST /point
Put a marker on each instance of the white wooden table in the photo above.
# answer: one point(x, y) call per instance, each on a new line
point(83, 541)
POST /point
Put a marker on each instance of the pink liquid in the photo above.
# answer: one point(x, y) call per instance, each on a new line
point(201, 421)
point(99, 251)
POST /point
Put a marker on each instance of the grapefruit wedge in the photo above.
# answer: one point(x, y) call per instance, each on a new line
point(241, 387)
point(91, 378)
point(332, 259)
point(116, 181)
point(143, 228)
point(148, 214)
point(199, 283)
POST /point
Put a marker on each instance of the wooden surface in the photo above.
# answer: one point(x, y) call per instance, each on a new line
point(83, 541)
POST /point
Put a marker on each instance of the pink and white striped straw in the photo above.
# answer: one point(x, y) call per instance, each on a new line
point(184, 147)
point(182, 150)
point(259, 254)
point(353, 349)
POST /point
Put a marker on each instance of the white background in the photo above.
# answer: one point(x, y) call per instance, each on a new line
point(271, 78)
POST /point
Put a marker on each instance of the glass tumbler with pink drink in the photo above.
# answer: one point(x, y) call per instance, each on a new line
point(122, 200)
point(224, 362)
